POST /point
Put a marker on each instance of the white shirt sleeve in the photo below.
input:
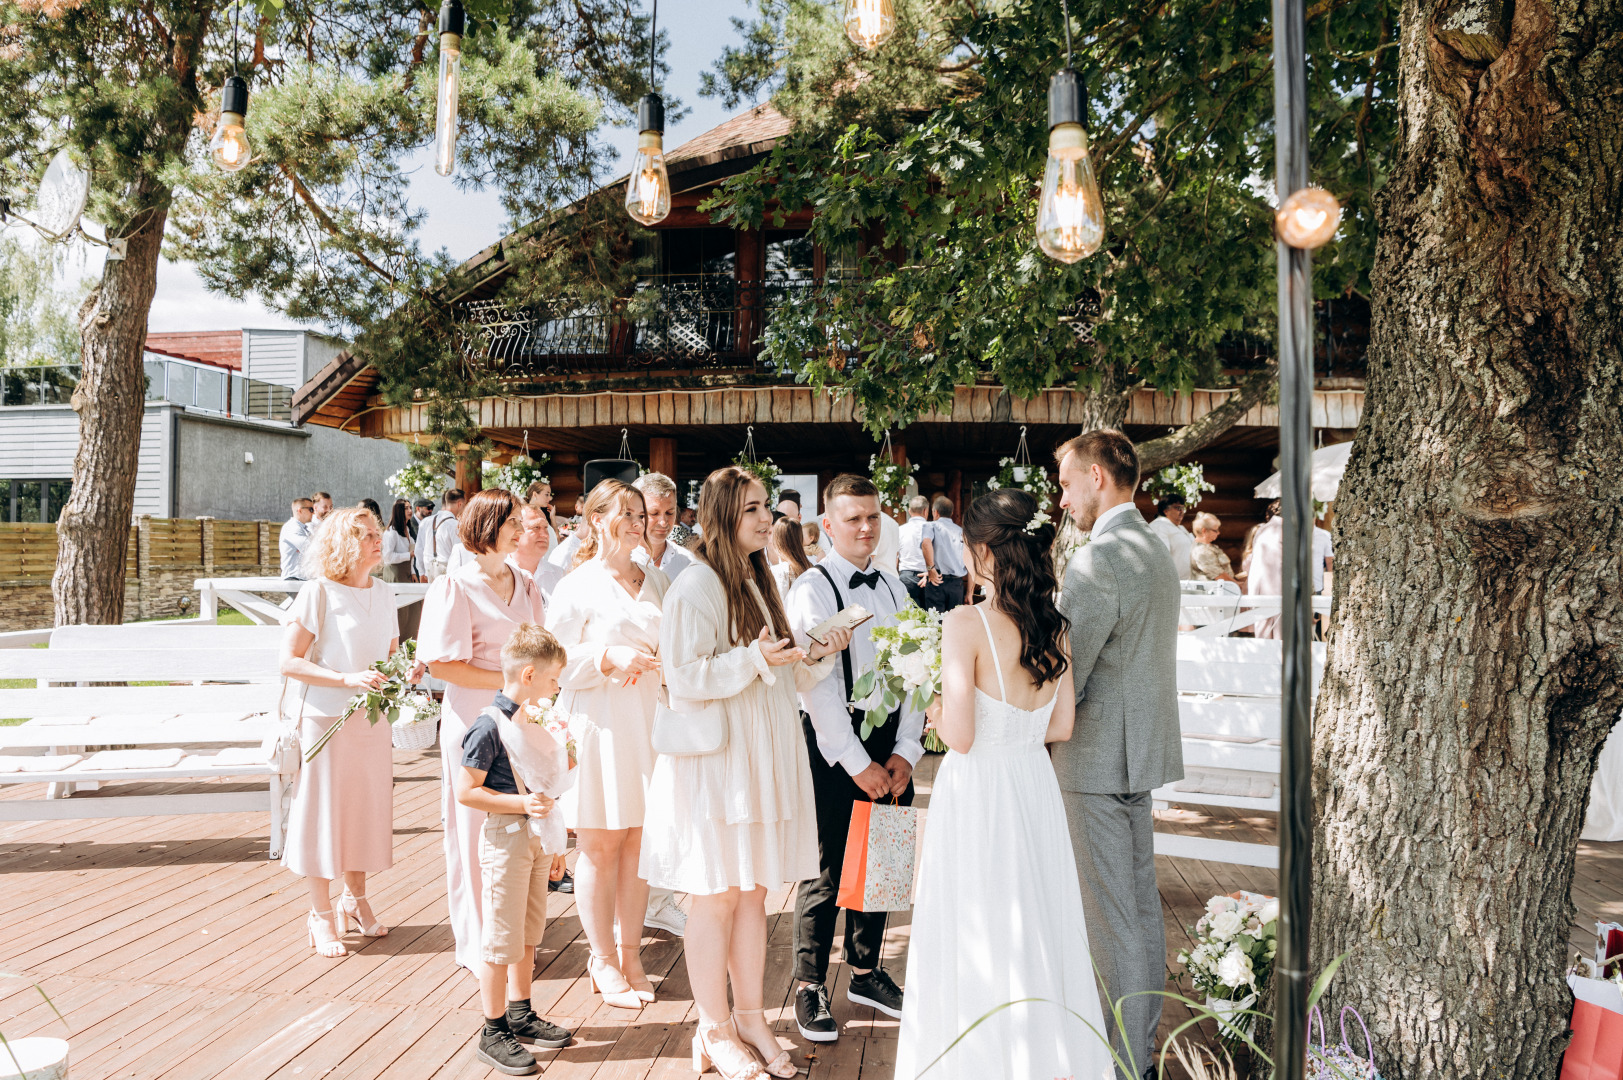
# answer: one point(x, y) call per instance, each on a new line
point(810, 602)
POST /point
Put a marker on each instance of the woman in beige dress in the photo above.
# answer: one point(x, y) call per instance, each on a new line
point(606, 613)
point(342, 821)
point(729, 826)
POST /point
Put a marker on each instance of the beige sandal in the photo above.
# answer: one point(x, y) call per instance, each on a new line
point(782, 1066)
point(733, 1060)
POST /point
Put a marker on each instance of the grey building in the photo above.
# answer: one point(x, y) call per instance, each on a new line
point(216, 439)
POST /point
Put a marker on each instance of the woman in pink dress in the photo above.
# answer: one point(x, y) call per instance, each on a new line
point(467, 618)
point(342, 822)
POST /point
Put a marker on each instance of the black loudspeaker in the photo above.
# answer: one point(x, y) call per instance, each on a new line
point(601, 469)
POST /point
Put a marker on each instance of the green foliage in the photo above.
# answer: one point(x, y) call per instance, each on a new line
point(39, 322)
point(926, 156)
point(891, 479)
point(1186, 482)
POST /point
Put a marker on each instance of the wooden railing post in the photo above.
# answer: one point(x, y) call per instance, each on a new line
point(143, 563)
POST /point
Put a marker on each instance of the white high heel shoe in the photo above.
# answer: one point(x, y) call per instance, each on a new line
point(349, 910)
point(323, 938)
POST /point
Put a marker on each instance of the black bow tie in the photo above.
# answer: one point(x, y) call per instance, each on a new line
point(870, 579)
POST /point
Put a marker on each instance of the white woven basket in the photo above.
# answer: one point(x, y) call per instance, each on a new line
point(414, 734)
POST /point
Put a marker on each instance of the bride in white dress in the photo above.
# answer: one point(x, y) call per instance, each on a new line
point(999, 950)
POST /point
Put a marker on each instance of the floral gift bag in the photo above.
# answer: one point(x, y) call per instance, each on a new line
point(878, 870)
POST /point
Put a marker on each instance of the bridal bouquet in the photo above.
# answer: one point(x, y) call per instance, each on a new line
point(554, 720)
point(388, 701)
point(907, 664)
point(1233, 957)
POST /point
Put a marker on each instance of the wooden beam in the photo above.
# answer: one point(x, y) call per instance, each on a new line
point(662, 456)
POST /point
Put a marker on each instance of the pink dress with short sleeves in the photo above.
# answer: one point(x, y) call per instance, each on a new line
point(464, 620)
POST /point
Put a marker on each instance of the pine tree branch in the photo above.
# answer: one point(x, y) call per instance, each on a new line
point(1157, 454)
point(329, 226)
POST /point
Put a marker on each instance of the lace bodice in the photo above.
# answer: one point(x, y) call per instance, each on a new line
point(999, 726)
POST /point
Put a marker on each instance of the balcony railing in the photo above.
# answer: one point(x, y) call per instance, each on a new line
point(698, 321)
point(179, 382)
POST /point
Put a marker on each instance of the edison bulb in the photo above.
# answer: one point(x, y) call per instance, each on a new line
point(445, 107)
point(1070, 215)
point(648, 190)
point(229, 148)
point(869, 23)
point(1308, 219)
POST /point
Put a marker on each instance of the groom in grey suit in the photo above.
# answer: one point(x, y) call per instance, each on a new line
point(1122, 596)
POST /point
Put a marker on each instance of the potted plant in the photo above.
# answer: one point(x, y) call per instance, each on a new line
point(518, 474)
point(1186, 482)
point(763, 469)
point(1017, 471)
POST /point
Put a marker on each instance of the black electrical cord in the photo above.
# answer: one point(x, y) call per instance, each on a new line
point(1065, 9)
point(653, 43)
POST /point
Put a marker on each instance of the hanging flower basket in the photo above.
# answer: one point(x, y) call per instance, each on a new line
point(517, 475)
point(1019, 472)
point(417, 481)
point(889, 477)
point(1186, 482)
point(762, 468)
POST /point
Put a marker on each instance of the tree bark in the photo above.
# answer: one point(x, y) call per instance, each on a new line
point(1106, 405)
point(1474, 666)
point(88, 586)
point(1157, 454)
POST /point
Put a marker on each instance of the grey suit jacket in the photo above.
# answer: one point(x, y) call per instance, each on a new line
point(1122, 597)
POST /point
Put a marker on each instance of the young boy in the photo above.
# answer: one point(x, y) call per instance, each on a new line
point(512, 864)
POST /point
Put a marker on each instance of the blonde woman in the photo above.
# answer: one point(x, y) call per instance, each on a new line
point(606, 613)
point(342, 822)
point(728, 827)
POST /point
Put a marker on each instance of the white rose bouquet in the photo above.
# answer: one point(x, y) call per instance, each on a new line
point(907, 664)
point(1233, 957)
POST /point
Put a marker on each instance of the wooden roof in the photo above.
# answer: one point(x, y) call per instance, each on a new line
point(221, 348)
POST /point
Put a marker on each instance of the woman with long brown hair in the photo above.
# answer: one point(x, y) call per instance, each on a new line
point(726, 827)
point(606, 612)
point(789, 541)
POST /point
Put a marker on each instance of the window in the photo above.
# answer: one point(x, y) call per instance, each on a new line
point(34, 500)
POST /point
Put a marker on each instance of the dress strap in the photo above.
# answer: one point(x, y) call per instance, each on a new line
point(997, 663)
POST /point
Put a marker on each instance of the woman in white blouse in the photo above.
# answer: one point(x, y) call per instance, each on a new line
point(789, 541)
point(606, 613)
point(397, 552)
point(729, 826)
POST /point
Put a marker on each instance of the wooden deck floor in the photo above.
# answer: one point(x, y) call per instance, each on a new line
point(175, 949)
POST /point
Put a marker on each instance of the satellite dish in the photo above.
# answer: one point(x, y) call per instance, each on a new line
point(61, 198)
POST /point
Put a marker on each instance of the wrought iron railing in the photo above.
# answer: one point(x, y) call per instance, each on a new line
point(694, 321)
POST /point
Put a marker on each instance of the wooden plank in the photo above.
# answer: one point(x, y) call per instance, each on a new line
point(117, 701)
point(143, 665)
point(132, 806)
point(1226, 851)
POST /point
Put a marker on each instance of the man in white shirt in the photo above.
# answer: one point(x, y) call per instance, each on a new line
point(916, 558)
point(845, 767)
point(659, 497)
point(533, 538)
point(1323, 557)
point(789, 503)
point(1168, 525)
point(949, 556)
point(890, 544)
point(436, 537)
point(294, 538)
point(321, 506)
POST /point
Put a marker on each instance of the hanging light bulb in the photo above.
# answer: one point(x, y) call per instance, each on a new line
point(1070, 214)
point(869, 23)
point(229, 148)
point(648, 189)
point(452, 22)
point(1308, 219)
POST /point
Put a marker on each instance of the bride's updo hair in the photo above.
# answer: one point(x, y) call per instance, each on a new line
point(1023, 576)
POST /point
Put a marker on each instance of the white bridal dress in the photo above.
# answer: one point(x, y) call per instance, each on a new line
point(997, 918)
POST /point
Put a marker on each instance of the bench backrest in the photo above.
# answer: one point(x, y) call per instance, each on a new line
point(1236, 666)
point(166, 636)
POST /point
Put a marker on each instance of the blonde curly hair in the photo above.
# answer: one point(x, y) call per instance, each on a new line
point(336, 549)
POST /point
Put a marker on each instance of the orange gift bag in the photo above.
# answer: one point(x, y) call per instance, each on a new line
point(878, 870)
point(1596, 1050)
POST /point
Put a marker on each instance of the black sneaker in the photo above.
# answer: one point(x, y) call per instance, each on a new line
point(877, 991)
point(812, 1017)
point(530, 1028)
point(499, 1050)
point(565, 884)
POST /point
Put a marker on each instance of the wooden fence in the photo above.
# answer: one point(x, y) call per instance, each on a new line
point(28, 550)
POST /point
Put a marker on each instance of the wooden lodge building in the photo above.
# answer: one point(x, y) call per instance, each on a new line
point(687, 384)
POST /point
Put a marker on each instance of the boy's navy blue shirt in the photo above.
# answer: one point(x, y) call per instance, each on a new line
point(482, 747)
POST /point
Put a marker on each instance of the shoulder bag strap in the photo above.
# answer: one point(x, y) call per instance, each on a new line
point(839, 606)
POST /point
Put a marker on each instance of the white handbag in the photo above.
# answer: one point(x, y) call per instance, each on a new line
point(690, 733)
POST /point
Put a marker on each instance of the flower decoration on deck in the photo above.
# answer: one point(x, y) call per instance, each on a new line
point(1186, 482)
point(417, 481)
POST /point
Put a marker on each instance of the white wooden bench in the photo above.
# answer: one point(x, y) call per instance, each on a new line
point(1229, 709)
point(239, 593)
point(213, 715)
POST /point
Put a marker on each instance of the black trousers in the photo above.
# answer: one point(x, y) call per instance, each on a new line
point(924, 594)
point(951, 593)
point(815, 907)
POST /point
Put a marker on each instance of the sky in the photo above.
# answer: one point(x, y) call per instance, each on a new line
point(462, 222)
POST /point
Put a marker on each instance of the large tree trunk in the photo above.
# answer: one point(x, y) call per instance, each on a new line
point(88, 586)
point(1474, 663)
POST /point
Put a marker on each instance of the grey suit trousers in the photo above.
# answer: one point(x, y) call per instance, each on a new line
point(1115, 859)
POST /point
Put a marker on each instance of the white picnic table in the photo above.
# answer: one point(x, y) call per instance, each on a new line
point(1225, 609)
point(238, 593)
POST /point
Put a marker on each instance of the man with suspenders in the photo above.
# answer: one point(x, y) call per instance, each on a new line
point(846, 768)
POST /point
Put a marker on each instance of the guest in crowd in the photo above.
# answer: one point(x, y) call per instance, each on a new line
point(1266, 568)
point(811, 539)
point(689, 518)
point(397, 555)
point(659, 495)
point(1208, 562)
point(321, 505)
point(467, 617)
point(789, 503)
point(845, 767)
point(730, 826)
point(789, 540)
point(534, 541)
point(437, 535)
point(539, 495)
point(890, 544)
point(1323, 555)
point(917, 558)
point(420, 509)
point(949, 556)
point(372, 505)
point(294, 538)
point(606, 612)
point(342, 820)
point(1168, 525)
point(564, 553)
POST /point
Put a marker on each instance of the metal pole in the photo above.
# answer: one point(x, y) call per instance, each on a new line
point(1292, 975)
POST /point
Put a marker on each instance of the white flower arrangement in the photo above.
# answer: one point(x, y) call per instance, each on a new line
point(1187, 482)
point(766, 471)
point(891, 479)
point(1235, 943)
point(517, 475)
point(1028, 478)
point(907, 664)
point(417, 481)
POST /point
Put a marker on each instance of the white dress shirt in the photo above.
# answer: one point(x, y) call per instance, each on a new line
point(810, 602)
point(890, 545)
point(396, 548)
point(949, 548)
point(1322, 550)
point(671, 563)
point(459, 556)
point(563, 554)
point(911, 538)
point(1179, 543)
point(436, 536)
point(292, 541)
